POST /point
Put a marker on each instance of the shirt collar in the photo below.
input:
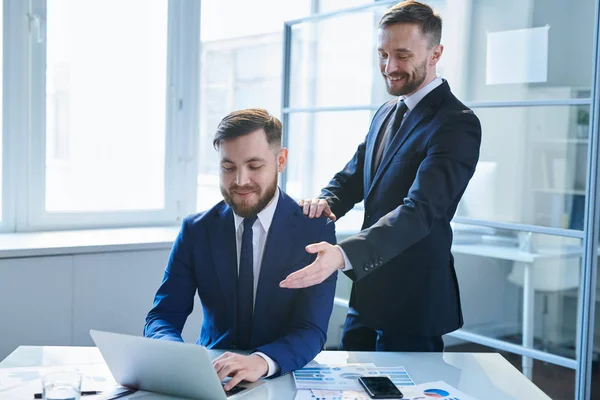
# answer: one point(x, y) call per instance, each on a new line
point(414, 99)
point(265, 216)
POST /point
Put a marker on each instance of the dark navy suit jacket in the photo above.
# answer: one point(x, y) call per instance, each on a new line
point(403, 271)
point(290, 326)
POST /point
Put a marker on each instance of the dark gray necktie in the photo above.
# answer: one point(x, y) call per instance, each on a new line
point(245, 287)
point(390, 130)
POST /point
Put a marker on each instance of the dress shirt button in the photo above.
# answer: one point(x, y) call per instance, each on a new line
point(368, 216)
point(233, 346)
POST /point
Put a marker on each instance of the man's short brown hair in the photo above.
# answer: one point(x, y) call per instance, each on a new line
point(414, 12)
point(244, 122)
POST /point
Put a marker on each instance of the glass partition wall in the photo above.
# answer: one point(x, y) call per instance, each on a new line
point(526, 269)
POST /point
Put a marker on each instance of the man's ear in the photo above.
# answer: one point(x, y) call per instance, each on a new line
point(282, 157)
point(437, 53)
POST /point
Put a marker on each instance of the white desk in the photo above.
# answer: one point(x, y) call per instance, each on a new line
point(486, 376)
point(526, 260)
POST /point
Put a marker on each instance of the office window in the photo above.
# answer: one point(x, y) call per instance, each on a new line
point(329, 72)
point(105, 107)
point(1, 102)
point(535, 171)
point(522, 288)
point(316, 154)
point(518, 50)
point(240, 68)
point(334, 5)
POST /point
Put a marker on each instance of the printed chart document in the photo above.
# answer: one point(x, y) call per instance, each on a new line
point(439, 390)
point(345, 377)
point(331, 395)
point(434, 390)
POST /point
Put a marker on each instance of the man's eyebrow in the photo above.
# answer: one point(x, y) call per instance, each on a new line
point(249, 160)
point(254, 159)
point(398, 50)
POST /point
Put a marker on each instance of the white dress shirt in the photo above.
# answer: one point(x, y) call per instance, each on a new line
point(411, 102)
point(259, 238)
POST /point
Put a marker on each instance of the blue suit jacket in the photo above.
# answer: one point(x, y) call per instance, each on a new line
point(403, 271)
point(289, 326)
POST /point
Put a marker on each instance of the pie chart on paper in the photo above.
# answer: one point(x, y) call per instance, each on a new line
point(436, 393)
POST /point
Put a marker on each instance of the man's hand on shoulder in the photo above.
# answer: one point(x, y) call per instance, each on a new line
point(240, 368)
point(316, 207)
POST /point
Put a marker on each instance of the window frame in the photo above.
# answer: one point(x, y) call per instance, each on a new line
point(24, 190)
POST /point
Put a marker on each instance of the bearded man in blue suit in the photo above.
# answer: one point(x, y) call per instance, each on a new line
point(234, 256)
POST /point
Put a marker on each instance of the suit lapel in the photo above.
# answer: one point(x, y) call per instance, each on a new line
point(224, 250)
point(412, 120)
point(422, 111)
point(372, 140)
point(277, 250)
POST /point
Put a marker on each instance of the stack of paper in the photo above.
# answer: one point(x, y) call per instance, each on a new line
point(22, 382)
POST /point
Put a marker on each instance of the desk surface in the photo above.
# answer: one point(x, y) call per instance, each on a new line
point(486, 376)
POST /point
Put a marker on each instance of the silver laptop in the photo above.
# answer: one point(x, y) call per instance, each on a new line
point(162, 366)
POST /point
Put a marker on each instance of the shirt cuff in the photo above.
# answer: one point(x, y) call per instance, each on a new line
point(273, 367)
point(347, 263)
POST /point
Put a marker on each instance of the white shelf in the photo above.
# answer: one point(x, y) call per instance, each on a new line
point(563, 141)
point(38, 244)
point(560, 191)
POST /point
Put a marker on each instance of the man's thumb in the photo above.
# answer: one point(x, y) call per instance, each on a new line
point(316, 247)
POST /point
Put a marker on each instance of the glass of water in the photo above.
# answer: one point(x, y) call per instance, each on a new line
point(62, 385)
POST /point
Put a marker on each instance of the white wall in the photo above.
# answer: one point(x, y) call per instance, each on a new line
point(57, 300)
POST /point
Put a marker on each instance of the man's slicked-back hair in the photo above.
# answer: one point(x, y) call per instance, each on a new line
point(244, 122)
point(420, 14)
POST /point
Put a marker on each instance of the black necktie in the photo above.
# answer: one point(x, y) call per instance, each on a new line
point(245, 287)
point(390, 130)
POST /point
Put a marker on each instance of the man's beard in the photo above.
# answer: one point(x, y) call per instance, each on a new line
point(410, 85)
point(245, 210)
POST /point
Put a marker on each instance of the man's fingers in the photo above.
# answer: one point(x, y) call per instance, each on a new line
point(235, 379)
point(225, 364)
point(301, 273)
point(306, 281)
point(228, 369)
point(322, 207)
point(223, 356)
point(306, 207)
point(221, 371)
point(304, 277)
point(313, 209)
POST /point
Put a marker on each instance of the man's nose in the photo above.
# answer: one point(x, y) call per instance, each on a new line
point(242, 178)
point(390, 66)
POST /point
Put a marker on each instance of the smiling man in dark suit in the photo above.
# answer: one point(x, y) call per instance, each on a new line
point(234, 256)
point(411, 171)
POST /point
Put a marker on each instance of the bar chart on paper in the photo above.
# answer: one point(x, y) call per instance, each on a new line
point(345, 377)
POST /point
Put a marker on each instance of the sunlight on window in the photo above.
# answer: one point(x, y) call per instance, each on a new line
point(105, 105)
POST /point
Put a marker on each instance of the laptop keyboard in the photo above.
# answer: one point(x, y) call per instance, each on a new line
point(235, 390)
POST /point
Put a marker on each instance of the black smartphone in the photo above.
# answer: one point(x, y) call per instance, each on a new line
point(380, 387)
